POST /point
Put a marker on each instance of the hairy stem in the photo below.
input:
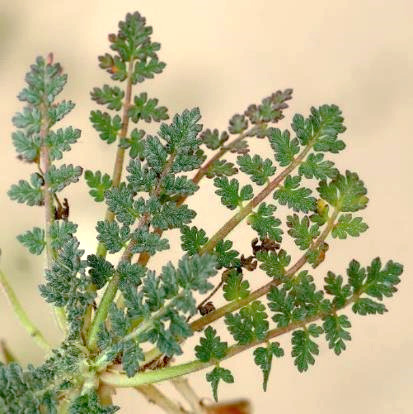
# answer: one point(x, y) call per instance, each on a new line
point(155, 396)
point(48, 204)
point(120, 152)
point(120, 380)
point(112, 287)
point(24, 319)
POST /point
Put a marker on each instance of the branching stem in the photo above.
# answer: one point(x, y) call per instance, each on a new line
point(149, 377)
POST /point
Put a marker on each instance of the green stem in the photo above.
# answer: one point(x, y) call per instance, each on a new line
point(117, 379)
point(24, 319)
point(112, 287)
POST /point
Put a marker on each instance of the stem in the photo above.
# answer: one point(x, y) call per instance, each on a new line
point(183, 387)
point(120, 152)
point(235, 305)
point(245, 211)
point(120, 380)
point(144, 257)
point(33, 331)
point(154, 395)
point(200, 323)
point(48, 204)
point(112, 286)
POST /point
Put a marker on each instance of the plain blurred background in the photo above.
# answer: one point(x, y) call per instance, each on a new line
point(223, 56)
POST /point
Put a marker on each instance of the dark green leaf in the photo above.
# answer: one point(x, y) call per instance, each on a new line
point(147, 109)
point(107, 127)
point(258, 169)
point(345, 192)
point(211, 346)
point(98, 183)
point(60, 177)
point(263, 358)
point(348, 226)
point(230, 193)
point(33, 240)
point(301, 231)
point(335, 328)
point(29, 193)
point(314, 166)
point(215, 376)
point(235, 288)
point(192, 239)
point(297, 198)
point(111, 96)
point(264, 222)
point(284, 148)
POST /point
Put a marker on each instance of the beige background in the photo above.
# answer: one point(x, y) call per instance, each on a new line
point(222, 56)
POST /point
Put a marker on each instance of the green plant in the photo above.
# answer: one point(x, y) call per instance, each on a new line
point(130, 336)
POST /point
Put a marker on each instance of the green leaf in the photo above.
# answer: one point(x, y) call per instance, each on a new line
point(30, 120)
point(114, 65)
point(58, 111)
point(270, 109)
point(60, 141)
point(89, 404)
point(348, 226)
point(301, 231)
point(264, 222)
point(211, 346)
point(107, 126)
point(297, 198)
point(147, 69)
point(225, 256)
point(231, 195)
point(314, 166)
point(147, 109)
point(98, 183)
point(304, 348)
point(135, 143)
point(215, 376)
point(335, 328)
point(367, 306)
point(111, 96)
point(258, 169)
point(237, 124)
point(132, 354)
point(284, 147)
point(273, 263)
point(321, 127)
point(44, 80)
point(133, 38)
point(155, 153)
point(120, 202)
point(249, 324)
point(171, 216)
point(235, 288)
point(181, 136)
point(113, 237)
point(148, 242)
point(60, 177)
point(192, 239)
point(141, 178)
point(100, 270)
point(28, 146)
point(334, 286)
point(220, 168)
point(213, 139)
point(61, 232)
point(263, 358)
point(282, 305)
point(174, 185)
point(29, 193)
point(345, 192)
point(33, 240)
